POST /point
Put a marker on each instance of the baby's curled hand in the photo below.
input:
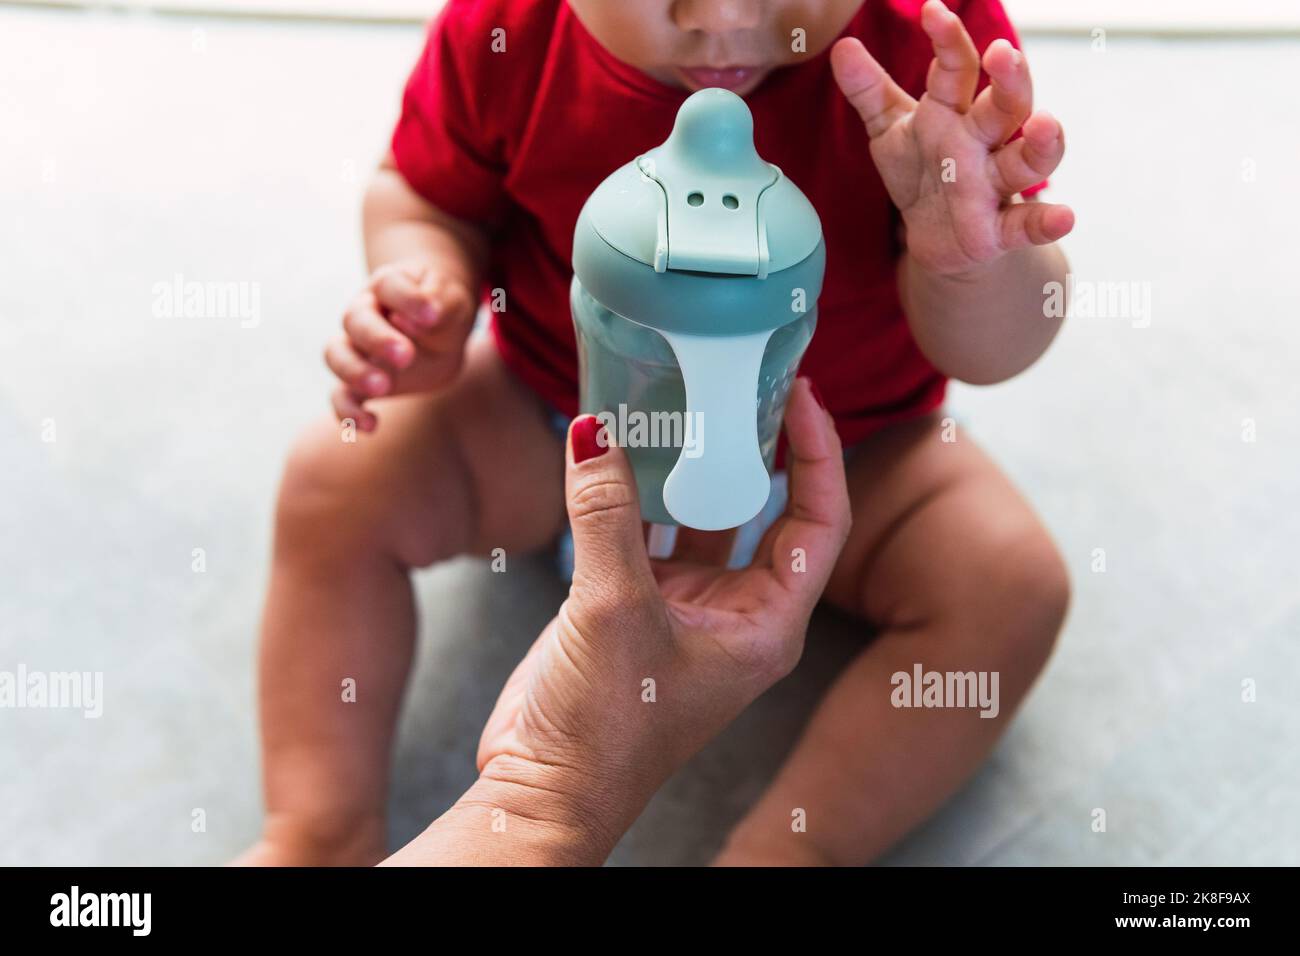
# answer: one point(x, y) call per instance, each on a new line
point(404, 334)
point(946, 159)
point(647, 661)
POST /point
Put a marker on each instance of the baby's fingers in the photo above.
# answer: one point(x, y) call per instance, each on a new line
point(1033, 224)
point(436, 315)
point(354, 370)
point(453, 310)
point(955, 70)
point(375, 336)
point(1029, 160)
point(869, 89)
point(1005, 103)
point(347, 407)
point(399, 289)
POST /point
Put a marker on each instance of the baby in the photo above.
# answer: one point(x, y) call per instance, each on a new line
point(922, 172)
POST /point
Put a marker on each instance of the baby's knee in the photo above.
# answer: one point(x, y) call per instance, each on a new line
point(1027, 591)
point(349, 500)
point(377, 496)
point(318, 497)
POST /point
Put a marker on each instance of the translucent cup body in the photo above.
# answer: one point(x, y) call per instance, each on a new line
point(630, 372)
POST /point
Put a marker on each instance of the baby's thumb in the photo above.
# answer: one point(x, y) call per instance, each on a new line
point(605, 516)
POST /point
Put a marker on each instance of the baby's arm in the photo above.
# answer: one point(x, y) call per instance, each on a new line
point(978, 257)
point(402, 226)
point(989, 324)
point(405, 332)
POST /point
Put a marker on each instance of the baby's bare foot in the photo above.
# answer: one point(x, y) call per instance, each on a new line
point(350, 841)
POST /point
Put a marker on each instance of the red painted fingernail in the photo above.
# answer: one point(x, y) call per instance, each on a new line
point(812, 387)
point(588, 440)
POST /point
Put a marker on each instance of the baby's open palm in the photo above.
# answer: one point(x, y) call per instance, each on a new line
point(947, 160)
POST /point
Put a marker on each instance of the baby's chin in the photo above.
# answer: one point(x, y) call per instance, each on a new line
point(741, 80)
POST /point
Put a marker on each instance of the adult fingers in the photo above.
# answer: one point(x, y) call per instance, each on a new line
point(804, 544)
point(610, 566)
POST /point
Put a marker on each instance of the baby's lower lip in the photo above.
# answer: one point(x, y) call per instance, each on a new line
point(729, 78)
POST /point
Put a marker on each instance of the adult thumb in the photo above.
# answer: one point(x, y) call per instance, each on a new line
point(605, 515)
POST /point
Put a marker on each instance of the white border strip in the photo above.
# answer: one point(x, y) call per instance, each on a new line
point(1205, 18)
point(1155, 16)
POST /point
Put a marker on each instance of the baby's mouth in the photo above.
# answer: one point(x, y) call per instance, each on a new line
point(738, 79)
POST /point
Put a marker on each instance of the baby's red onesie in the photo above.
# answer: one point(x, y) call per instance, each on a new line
point(518, 139)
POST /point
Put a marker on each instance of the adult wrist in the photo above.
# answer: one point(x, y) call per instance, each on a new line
point(534, 814)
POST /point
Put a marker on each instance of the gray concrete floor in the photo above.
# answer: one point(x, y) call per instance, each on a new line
point(138, 148)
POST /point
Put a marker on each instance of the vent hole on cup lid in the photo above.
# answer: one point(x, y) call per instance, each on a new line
point(696, 199)
point(730, 201)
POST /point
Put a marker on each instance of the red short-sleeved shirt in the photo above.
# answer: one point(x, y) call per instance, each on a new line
point(518, 139)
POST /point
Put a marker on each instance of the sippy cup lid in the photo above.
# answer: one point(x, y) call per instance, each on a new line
point(712, 247)
point(670, 238)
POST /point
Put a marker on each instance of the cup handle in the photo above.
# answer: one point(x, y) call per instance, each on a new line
point(719, 480)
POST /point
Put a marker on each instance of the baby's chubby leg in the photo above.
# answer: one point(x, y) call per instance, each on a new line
point(470, 469)
point(953, 570)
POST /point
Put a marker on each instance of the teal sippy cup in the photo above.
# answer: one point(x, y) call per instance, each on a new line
point(697, 268)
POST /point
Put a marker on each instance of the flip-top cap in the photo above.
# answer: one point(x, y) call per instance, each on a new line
point(704, 200)
point(713, 181)
point(702, 205)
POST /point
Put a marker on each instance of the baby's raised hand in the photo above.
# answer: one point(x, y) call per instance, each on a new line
point(404, 334)
point(946, 159)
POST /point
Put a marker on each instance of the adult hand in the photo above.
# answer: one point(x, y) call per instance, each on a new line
point(645, 661)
